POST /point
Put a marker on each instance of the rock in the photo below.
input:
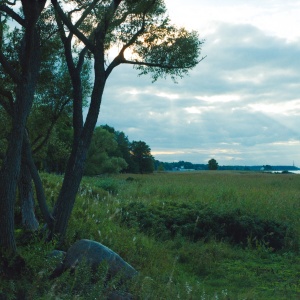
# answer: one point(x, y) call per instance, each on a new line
point(57, 254)
point(94, 253)
point(116, 295)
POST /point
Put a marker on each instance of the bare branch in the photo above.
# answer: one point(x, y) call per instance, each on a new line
point(158, 65)
point(86, 12)
point(56, 114)
point(72, 27)
point(81, 58)
point(11, 3)
point(13, 14)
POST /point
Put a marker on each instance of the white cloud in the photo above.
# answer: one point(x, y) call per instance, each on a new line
point(241, 104)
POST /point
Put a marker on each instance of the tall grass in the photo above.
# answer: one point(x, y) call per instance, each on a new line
point(178, 268)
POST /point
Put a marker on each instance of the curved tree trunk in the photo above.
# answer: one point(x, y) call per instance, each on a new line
point(34, 174)
point(28, 173)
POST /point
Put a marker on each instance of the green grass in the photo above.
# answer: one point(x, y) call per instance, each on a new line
point(177, 267)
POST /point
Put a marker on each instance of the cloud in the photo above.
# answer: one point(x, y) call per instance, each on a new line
point(240, 105)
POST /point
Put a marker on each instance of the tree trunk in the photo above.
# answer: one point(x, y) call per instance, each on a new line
point(29, 220)
point(66, 199)
point(25, 88)
point(11, 167)
point(34, 174)
point(74, 171)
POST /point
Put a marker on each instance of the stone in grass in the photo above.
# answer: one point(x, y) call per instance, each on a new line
point(57, 254)
point(94, 253)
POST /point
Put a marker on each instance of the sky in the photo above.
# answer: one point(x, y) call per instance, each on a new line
point(240, 105)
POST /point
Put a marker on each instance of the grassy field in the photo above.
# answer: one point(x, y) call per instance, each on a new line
point(177, 229)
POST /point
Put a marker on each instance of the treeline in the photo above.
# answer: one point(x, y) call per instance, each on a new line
point(185, 165)
point(110, 152)
point(175, 166)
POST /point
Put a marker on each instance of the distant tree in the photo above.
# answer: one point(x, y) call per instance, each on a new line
point(123, 149)
point(267, 168)
point(142, 158)
point(101, 157)
point(212, 164)
point(161, 167)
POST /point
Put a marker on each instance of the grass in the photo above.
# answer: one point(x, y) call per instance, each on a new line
point(176, 266)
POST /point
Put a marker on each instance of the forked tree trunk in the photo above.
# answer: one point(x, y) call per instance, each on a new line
point(34, 175)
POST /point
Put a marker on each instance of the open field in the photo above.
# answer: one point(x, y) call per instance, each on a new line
point(155, 222)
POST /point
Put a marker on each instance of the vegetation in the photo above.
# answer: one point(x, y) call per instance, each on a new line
point(112, 152)
point(83, 32)
point(173, 264)
point(212, 164)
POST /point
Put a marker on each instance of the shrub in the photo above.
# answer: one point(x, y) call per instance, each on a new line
point(198, 222)
point(108, 184)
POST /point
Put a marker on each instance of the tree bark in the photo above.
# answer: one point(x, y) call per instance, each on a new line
point(25, 88)
point(28, 173)
point(29, 220)
point(74, 171)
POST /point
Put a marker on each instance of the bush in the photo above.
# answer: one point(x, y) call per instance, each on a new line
point(197, 222)
point(108, 184)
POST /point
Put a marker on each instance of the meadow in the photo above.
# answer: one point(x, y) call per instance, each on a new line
point(195, 235)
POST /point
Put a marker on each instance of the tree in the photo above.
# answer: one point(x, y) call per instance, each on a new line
point(160, 167)
point(139, 27)
point(142, 158)
point(212, 164)
point(143, 36)
point(101, 157)
point(51, 111)
point(123, 149)
point(24, 77)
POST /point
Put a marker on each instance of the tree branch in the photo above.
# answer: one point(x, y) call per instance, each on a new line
point(81, 58)
point(37, 181)
point(56, 114)
point(72, 27)
point(9, 69)
point(9, 107)
point(158, 65)
point(85, 13)
point(13, 14)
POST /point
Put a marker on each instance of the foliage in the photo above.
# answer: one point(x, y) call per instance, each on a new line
point(141, 157)
point(212, 164)
point(196, 222)
point(101, 157)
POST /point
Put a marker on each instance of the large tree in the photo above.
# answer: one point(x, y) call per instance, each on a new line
point(140, 28)
point(24, 77)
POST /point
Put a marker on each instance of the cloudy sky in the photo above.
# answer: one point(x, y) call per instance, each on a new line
point(241, 105)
